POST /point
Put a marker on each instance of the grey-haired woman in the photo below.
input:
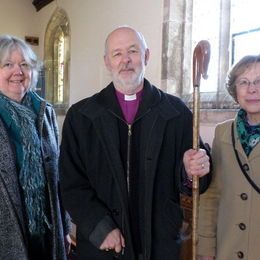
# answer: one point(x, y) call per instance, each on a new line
point(229, 226)
point(33, 224)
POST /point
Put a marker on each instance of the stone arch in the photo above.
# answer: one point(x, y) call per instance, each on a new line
point(58, 26)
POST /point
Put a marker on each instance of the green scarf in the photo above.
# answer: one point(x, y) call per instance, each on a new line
point(21, 119)
point(249, 135)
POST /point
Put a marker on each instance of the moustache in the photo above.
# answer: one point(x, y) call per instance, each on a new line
point(126, 69)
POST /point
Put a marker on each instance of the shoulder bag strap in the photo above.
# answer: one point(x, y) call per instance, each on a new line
point(240, 163)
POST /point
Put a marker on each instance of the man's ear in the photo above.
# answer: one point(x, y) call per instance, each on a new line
point(146, 56)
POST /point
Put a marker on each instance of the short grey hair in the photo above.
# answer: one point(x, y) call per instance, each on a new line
point(239, 68)
point(9, 43)
point(139, 35)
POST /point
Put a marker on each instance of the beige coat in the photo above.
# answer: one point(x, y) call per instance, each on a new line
point(229, 218)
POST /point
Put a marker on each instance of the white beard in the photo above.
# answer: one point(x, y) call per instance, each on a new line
point(131, 85)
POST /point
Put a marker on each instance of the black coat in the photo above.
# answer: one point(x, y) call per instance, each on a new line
point(93, 180)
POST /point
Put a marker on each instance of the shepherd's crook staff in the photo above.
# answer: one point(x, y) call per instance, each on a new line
point(201, 56)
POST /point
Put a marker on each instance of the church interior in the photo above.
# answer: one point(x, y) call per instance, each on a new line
point(68, 37)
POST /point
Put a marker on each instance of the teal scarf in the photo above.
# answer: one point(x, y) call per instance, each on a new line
point(249, 135)
point(21, 120)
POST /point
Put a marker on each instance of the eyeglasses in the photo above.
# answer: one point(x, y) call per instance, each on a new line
point(243, 83)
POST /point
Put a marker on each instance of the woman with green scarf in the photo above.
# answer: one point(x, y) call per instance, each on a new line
point(229, 226)
point(33, 224)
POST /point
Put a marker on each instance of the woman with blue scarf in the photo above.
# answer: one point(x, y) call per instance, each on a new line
point(33, 224)
point(229, 226)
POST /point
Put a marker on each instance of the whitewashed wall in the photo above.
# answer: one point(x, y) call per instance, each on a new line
point(17, 17)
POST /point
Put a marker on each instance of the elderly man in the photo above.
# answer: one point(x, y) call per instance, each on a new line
point(125, 157)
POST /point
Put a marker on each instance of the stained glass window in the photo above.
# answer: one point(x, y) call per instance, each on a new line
point(60, 78)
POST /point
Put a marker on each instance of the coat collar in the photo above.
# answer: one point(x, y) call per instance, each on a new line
point(106, 100)
point(226, 138)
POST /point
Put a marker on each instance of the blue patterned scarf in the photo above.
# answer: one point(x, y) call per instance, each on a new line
point(29, 160)
point(249, 135)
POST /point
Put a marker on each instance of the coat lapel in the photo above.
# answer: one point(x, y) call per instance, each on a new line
point(9, 187)
point(106, 127)
point(250, 160)
point(226, 138)
point(104, 114)
point(150, 145)
point(155, 118)
point(255, 152)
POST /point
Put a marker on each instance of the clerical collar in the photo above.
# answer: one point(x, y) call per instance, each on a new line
point(130, 97)
point(123, 97)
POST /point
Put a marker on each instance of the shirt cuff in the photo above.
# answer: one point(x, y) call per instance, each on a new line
point(103, 228)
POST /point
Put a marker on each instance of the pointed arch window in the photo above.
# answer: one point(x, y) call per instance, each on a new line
point(59, 52)
point(56, 61)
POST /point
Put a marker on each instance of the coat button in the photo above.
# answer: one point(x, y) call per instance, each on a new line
point(246, 167)
point(240, 254)
point(242, 226)
point(243, 196)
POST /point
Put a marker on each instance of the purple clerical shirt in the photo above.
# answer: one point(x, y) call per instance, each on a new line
point(129, 105)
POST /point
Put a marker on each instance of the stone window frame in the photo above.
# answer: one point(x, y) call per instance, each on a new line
point(177, 55)
point(59, 22)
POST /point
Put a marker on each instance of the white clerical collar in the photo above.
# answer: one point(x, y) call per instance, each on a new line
point(130, 97)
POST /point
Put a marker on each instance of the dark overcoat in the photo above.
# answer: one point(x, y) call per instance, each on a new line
point(93, 179)
point(13, 242)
